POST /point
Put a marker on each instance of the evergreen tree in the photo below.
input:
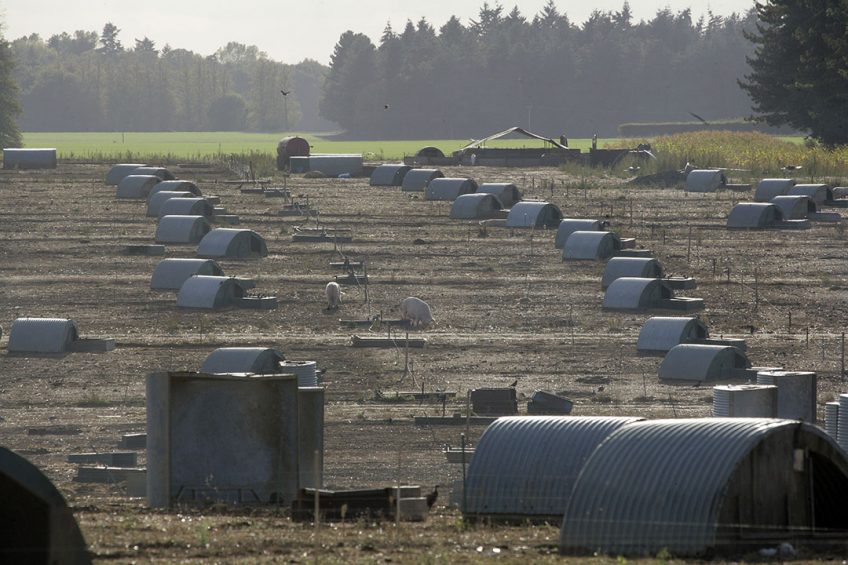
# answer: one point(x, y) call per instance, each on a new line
point(10, 135)
point(798, 74)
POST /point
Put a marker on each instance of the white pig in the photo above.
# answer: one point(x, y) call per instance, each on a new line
point(416, 311)
point(334, 295)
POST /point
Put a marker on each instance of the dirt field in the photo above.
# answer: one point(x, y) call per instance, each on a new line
point(508, 308)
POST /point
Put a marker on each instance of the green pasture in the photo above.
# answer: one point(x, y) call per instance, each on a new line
point(204, 145)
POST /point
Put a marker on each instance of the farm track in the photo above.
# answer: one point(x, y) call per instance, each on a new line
point(504, 313)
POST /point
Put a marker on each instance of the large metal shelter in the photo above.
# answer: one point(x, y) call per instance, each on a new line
point(531, 214)
point(449, 188)
point(256, 360)
point(590, 245)
point(170, 274)
point(416, 180)
point(136, 186)
point(506, 192)
point(42, 335)
point(389, 175)
point(181, 229)
point(642, 267)
point(570, 225)
point(475, 207)
point(661, 333)
point(232, 243)
point(698, 363)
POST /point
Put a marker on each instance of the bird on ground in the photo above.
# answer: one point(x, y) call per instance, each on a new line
point(285, 92)
point(431, 498)
point(514, 383)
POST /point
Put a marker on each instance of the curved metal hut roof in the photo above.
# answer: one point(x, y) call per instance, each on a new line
point(589, 245)
point(181, 229)
point(201, 291)
point(170, 274)
point(389, 175)
point(186, 207)
point(161, 172)
point(416, 180)
point(449, 188)
point(641, 267)
point(136, 186)
point(155, 200)
point(795, 207)
point(119, 171)
point(752, 215)
point(634, 293)
point(38, 525)
point(705, 180)
point(533, 214)
point(232, 243)
point(475, 207)
point(526, 466)
point(661, 333)
point(696, 363)
point(256, 360)
point(769, 188)
point(42, 335)
point(818, 193)
point(176, 186)
point(684, 485)
point(570, 225)
point(506, 192)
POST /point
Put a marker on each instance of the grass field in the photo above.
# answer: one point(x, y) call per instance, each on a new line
point(199, 145)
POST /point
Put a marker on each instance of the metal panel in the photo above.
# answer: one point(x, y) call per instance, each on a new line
point(389, 175)
point(533, 214)
point(641, 267)
point(769, 188)
point(753, 215)
point(590, 245)
point(700, 363)
point(119, 171)
point(475, 206)
point(661, 333)
point(232, 243)
point(506, 192)
point(658, 484)
point(41, 335)
point(200, 291)
point(794, 207)
point(525, 466)
point(170, 274)
point(632, 293)
point(449, 188)
point(416, 180)
point(186, 207)
point(705, 180)
point(156, 199)
point(570, 225)
point(257, 360)
point(136, 186)
point(181, 229)
point(29, 158)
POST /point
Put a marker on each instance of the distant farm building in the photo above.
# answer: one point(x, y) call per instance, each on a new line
point(156, 199)
point(232, 243)
point(507, 193)
point(525, 467)
point(551, 152)
point(119, 171)
point(29, 158)
point(642, 267)
point(529, 214)
point(187, 207)
point(292, 146)
point(570, 225)
point(170, 274)
point(255, 360)
point(705, 180)
point(476, 207)
point(136, 186)
point(661, 333)
point(591, 245)
point(38, 525)
point(389, 175)
point(449, 188)
point(685, 486)
point(182, 229)
point(416, 180)
point(695, 363)
point(769, 188)
point(638, 294)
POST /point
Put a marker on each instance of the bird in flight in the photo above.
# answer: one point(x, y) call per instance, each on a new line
point(385, 106)
point(514, 384)
point(285, 92)
point(694, 115)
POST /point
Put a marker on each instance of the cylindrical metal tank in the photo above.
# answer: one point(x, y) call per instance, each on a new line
point(831, 419)
point(842, 423)
point(288, 147)
point(796, 393)
point(744, 401)
point(305, 371)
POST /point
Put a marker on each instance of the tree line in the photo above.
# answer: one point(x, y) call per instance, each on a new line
point(89, 81)
point(544, 72)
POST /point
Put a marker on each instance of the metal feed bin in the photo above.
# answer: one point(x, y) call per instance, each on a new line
point(744, 401)
point(796, 393)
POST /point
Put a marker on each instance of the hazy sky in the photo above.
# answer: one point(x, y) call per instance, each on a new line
point(288, 31)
